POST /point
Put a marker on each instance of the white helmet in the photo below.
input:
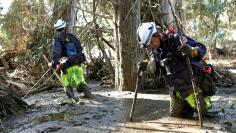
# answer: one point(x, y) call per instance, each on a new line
point(60, 24)
point(145, 32)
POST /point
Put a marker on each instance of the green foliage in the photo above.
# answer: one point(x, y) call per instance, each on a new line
point(206, 16)
point(28, 18)
point(3, 36)
point(10, 19)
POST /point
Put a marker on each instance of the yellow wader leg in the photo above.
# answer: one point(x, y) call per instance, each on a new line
point(208, 102)
point(191, 101)
point(77, 76)
point(66, 78)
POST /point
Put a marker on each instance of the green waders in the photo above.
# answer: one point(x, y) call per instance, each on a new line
point(185, 107)
point(74, 78)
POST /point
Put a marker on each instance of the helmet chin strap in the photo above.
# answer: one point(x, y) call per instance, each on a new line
point(144, 46)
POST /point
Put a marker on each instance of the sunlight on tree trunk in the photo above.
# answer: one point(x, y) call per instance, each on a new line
point(127, 19)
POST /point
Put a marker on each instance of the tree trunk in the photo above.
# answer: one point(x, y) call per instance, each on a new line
point(165, 8)
point(178, 9)
point(215, 29)
point(62, 10)
point(74, 11)
point(127, 19)
point(67, 11)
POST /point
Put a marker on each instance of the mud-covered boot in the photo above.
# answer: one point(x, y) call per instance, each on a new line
point(70, 94)
point(87, 92)
point(213, 112)
point(84, 88)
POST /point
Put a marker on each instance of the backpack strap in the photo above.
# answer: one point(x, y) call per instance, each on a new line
point(72, 37)
point(79, 57)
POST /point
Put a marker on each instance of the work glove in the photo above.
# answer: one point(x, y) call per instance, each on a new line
point(59, 67)
point(62, 64)
point(188, 51)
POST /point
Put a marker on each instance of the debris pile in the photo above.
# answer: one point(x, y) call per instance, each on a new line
point(11, 100)
point(24, 74)
point(15, 81)
point(97, 70)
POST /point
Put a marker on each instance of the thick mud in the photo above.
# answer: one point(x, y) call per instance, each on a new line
point(108, 111)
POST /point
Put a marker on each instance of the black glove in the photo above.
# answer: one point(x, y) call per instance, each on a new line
point(187, 50)
point(142, 66)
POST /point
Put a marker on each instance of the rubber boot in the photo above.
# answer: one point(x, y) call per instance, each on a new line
point(84, 88)
point(70, 94)
point(87, 92)
point(80, 89)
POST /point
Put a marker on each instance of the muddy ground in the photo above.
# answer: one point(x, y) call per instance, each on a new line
point(109, 110)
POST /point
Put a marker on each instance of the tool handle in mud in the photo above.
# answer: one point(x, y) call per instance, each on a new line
point(195, 92)
point(135, 95)
point(199, 111)
point(54, 71)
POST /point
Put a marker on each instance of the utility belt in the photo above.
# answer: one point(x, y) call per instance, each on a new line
point(181, 86)
point(68, 62)
point(77, 60)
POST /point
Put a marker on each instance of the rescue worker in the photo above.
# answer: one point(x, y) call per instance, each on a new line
point(167, 50)
point(67, 57)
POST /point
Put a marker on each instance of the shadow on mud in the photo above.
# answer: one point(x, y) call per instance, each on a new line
point(147, 109)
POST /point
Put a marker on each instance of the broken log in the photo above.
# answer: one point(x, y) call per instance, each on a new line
point(10, 101)
point(22, 87)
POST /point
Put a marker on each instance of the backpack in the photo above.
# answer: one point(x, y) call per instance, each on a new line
point(72, 49)
point(205, 77)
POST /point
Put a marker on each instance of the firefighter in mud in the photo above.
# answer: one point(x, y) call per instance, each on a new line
point(67, 57)
point(168, 55)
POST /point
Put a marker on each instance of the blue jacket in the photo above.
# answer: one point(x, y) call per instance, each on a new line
point(59, 47)
point(180, 78)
